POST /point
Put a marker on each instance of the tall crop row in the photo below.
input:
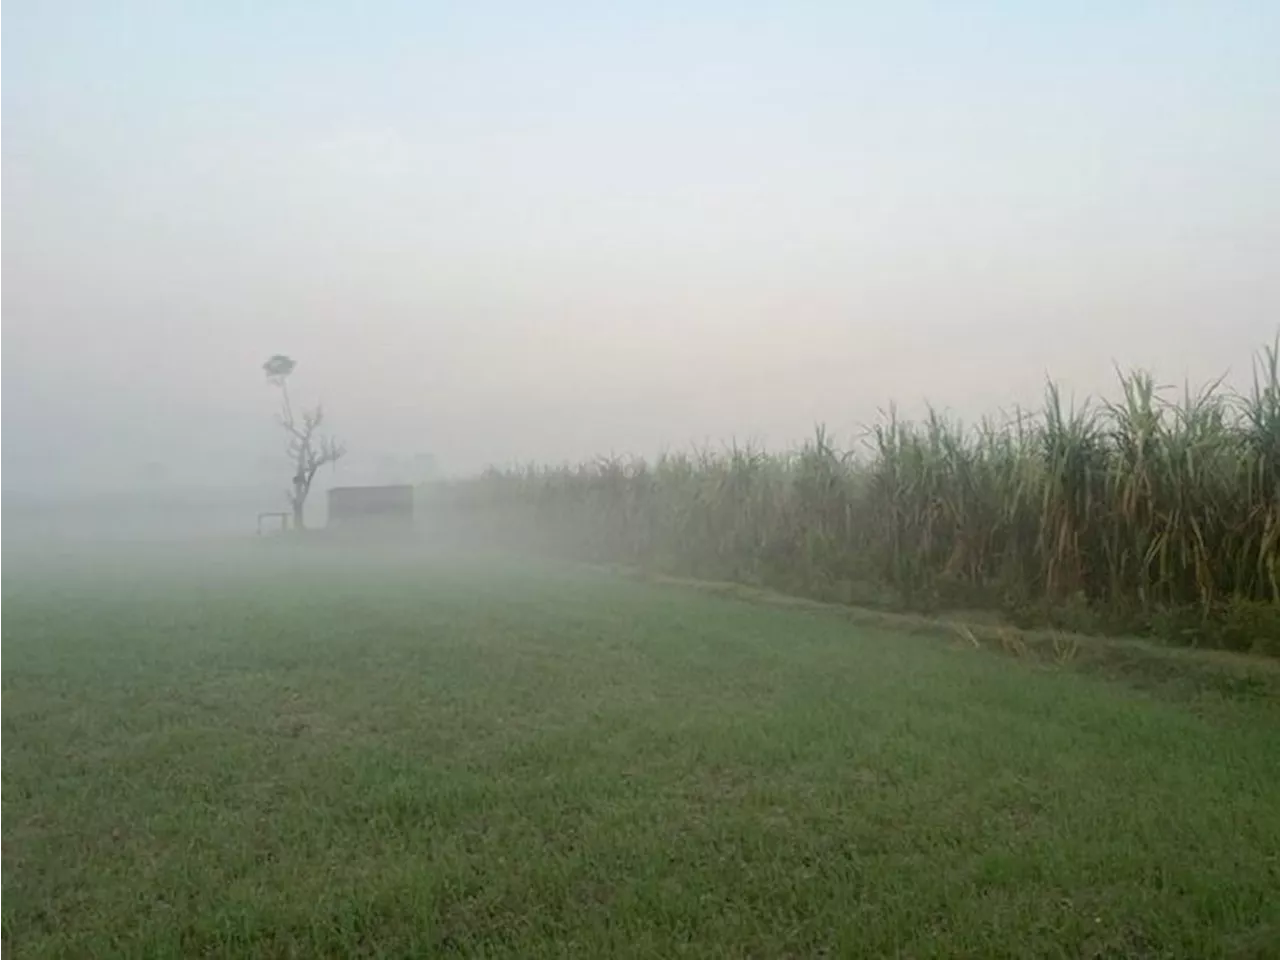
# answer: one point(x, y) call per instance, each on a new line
point(1149, 512)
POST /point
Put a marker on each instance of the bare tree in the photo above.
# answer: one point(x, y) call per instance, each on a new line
point(308, 449)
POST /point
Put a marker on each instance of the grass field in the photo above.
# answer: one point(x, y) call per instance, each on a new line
point(286, 752)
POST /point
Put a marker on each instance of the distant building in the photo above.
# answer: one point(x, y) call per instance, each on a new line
point(365, 507)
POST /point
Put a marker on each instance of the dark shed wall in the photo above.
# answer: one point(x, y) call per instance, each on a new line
point(347, 504)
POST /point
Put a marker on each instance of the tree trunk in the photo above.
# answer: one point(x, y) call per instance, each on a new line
point(299, 500)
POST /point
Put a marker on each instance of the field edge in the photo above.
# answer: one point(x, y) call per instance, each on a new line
point(1179, 672)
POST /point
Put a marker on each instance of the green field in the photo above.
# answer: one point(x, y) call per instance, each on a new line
point(300, 752)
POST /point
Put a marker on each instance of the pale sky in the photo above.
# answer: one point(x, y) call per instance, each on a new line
point(513, 231)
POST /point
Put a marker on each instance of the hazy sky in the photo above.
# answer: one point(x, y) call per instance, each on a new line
point(511, 231)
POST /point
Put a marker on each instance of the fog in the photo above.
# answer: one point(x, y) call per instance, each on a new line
point(492, 233)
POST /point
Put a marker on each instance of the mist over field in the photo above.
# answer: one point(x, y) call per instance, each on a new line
point(490, 235)
point(651, 480)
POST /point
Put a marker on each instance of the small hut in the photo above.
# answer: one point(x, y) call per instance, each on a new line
point(371, 508)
